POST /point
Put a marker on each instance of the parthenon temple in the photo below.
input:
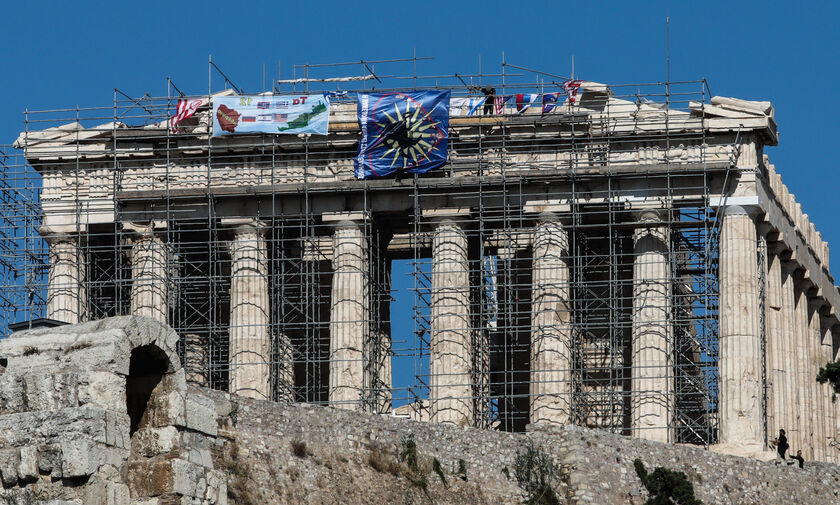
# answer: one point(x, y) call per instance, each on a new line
point(630, 261)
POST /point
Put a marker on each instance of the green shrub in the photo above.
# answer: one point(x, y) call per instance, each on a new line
point(299, 449)
point(830, 373)
point(666, 487)
point(536, 474)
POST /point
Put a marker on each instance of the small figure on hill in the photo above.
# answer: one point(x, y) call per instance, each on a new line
point(781, 445)
point(799, 458)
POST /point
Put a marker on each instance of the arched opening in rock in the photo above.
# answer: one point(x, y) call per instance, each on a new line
point(145, 371)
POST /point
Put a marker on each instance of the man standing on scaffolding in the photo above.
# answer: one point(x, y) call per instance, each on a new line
point(489, 99)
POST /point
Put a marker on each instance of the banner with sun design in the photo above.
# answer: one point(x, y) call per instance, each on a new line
point(402, 132)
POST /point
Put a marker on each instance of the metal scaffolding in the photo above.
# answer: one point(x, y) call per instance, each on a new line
point(185, 185)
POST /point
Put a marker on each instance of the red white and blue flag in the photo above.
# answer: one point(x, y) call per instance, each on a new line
point(499, 102)
point(549, 101)
point(572, 88)
point(525, 100)
point(185, 109)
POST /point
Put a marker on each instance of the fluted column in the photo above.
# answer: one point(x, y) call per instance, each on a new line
point(740, 387)
point(450, 355)
point(149, 272)
point(818, 413)
point(66, 293)
point(349, 315)
point(250, 343)
point(801, 367)
point(551, 333)
point(830, 419)
point(776, 335)
point(790, 393)
point(652, 335)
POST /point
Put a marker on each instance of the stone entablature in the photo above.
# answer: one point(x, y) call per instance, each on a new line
point(603, 134)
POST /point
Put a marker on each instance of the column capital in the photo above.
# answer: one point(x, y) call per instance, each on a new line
point(55, 234)
point(652, 214)
point(540, 207)
point(737, 205)
point(344, 219)
point(144, 228)
point(243, 225)
point(447, 215)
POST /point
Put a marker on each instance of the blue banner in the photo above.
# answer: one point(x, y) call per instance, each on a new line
point(270, 114)
point(402, 132)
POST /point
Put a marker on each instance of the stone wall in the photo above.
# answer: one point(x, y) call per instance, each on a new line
point(71, 434)
point(281, 453)
point(82, 424)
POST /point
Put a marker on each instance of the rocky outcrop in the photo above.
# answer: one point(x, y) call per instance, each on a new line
point(99, 413)
point(287, 453)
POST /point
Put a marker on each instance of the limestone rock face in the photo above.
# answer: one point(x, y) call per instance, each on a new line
point(298, 453)
point(98, 413)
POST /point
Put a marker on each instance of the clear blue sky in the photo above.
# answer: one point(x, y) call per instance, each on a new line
point(62, 54)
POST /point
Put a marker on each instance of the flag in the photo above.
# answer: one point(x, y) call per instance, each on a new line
point(456, 106)
point(185, 109)
point(549, 101)
point(402, 132)
point(475, 104)
point(525, 100)
point(571, 88)
point(472, 104)
point(329, 95)
point(499, 102)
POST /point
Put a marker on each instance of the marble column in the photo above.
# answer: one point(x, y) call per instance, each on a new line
point(450, 354)
point(250, 342)
point(739, 365)
point(149, 272)
point(776, 335)
point(802, 367)
point(652, 334)
point(66, 293)
point(790, 393)
point(818, 408)
point(349, 315)
point(551, 332)
point(826, 391)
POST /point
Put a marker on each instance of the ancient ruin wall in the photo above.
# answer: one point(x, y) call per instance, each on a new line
point(282, 453)
point(74, 431)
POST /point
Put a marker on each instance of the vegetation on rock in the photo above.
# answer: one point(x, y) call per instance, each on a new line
point(536, 474)
point(666, 487)
point(830, 373)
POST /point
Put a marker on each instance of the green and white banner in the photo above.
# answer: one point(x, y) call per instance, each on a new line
point(270, 114)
